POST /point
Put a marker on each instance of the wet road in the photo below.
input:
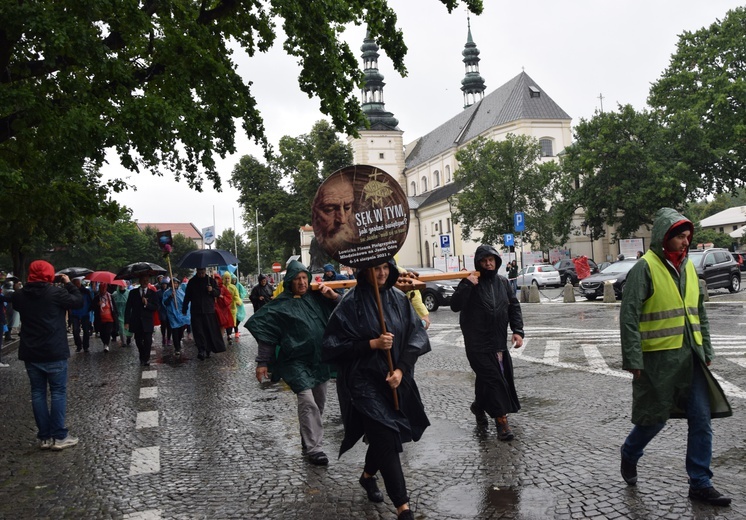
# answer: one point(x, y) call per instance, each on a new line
point(189, 439)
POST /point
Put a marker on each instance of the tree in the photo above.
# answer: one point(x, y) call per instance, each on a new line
point(498, 179)
point(621, 169)
point(157, 82)
point(704, 87)
point(281, 192)
point(229, 241)
point(710, 236)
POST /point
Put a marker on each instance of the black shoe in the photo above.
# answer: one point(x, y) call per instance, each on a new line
point(79, 349)
point(480, 415)
point(318, 459)
point(629, 471)
point(504, 433)
point(207, 354)
point(405, 515)
point(370, 487)
point(709, 495)
point(201, 356)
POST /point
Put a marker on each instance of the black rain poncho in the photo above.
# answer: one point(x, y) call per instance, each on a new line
point(296, 326)
point(361, 381)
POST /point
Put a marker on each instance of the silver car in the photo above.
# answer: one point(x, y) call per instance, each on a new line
point(543, 275)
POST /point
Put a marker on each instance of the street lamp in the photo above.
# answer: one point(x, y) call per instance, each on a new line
point(584, 229)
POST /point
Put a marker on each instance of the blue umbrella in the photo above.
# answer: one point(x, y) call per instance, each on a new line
point(202, 258)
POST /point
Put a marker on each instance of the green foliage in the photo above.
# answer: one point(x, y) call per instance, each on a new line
point(500, 178)
point(704, 86)
point(621, 169)
point(236, 244)
point(283, 190)
point(707, 236)
point(158, 82)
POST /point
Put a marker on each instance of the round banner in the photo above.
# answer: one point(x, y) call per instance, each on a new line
point(360, 216)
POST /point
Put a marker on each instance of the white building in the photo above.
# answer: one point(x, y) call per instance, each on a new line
point(731, 221)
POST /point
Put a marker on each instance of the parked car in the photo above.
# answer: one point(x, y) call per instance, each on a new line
point(543, 275)
point(567, 270)
point(717, 267)
point(616, 273)
point(436, 293)
point(740, 258)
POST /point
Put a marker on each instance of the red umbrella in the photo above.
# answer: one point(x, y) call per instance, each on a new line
point(105, 277)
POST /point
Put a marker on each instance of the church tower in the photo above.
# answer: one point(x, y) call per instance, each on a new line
point(473, 84)
point(381, 145)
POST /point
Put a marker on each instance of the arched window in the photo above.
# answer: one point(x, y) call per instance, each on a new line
point(423, 184)
point(546, 147)
point(448, 173)
point(436, 179)
point(413, 188)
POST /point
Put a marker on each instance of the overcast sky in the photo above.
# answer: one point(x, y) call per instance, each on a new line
point(575, 50)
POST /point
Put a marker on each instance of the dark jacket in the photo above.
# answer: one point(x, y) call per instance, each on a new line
point(196, 293)
point(666, 375)
point(487, 308)
point(43, 309)
point(296, 326)
point(258, 291)
point(361, 377)
point(139, 317)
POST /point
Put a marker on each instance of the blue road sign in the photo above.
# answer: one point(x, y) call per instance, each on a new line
point(519, 222)
point(445, 241)
point(509, 239)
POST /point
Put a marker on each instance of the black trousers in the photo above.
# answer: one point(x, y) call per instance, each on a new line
point(144, 342)
point(208, 336)
point(176, 335)
point(83, 324)
point(106, 329)
point(384, 446)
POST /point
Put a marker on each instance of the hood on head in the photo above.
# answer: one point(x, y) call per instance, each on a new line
point(227, 278)
point(665, 220)
point(328, 267)
point(218, 279)
point(362, 277)
point(294, 268)
point(261, 277)
point(487, 250)
point(40, 271)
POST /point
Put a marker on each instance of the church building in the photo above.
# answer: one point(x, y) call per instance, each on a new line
point(424, 167)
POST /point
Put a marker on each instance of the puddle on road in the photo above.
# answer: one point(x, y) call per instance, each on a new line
point(528, 503)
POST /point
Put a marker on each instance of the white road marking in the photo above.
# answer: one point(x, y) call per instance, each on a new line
point(738, 361)
point(145, 460)
point(150, 374)
point(149, 392)
point(151, 514)
point(594, 357)
point(552, 351)
point(730, 389)
point(147, 420)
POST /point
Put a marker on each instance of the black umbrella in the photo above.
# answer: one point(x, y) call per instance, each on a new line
point(139, 269)
point(207, 257)
point(74, 272)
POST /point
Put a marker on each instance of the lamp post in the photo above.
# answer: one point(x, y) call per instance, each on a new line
point(584, 229)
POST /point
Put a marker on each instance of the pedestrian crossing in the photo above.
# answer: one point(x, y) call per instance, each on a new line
point(596, 351)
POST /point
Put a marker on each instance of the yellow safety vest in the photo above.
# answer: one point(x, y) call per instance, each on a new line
point(664, 313)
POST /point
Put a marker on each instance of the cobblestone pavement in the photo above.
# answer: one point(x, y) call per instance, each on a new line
point(186, 439)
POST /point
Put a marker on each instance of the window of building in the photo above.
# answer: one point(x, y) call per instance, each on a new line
point(448, 173)
point(423, 184)
point(534, 91)
point(722, 230)
point(433, 229)
point(735, 227)
point(380, 155)
point(448, 224)
point(436, 179)
point(546, 147)
point(413, 189)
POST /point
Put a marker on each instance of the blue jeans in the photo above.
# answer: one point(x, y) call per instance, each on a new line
point(699, 438)
point(49, 421)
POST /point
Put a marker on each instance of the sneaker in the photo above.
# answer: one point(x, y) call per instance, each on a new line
point(504, 433)
point(709, 495)
point(371, 488)
point(106, 348)
point(177, 353)
point(629, 471)
point(480, 415)
point(67, 442)
point(46, 444)
point(4, 365)
point(238, 335)
point(79, 349)
point(318, 459)
point(230, 341)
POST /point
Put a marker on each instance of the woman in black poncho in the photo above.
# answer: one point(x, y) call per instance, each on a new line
point(353, 341)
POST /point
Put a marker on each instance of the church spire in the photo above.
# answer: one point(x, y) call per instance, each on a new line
point(473, 84)
point(373, 105)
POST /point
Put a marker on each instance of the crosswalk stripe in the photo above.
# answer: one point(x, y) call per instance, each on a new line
point(594, 357)
point(738, 361)
point(730, 389)
point(552, 351)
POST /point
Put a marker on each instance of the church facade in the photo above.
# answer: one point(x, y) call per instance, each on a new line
point(425, 167)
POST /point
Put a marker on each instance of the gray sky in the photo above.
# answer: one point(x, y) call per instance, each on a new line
point(575, 50)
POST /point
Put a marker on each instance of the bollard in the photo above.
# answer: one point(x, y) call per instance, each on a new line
point(533, 295)
point(609, 294)
point(703, 290)
point(524, 294)
point(569, 293)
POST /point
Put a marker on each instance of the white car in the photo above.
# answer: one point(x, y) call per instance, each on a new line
point(542, 275)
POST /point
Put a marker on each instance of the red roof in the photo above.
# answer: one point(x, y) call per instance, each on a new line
point(188, 230)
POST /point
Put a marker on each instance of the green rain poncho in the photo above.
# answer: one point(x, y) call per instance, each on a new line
point(295, 324)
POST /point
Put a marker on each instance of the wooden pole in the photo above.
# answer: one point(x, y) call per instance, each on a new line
point(377, 293)
point(404, 284)
point(173, 288)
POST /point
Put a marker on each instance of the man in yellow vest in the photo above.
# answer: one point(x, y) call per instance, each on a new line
point(666, 346)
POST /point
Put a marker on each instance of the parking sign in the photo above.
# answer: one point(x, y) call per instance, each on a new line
point(519, 221)
point(509, 239)
point(445, 241)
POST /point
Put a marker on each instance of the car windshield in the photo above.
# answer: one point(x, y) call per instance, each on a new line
point(545, 268)
point(619, 267)
point(696, 257)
